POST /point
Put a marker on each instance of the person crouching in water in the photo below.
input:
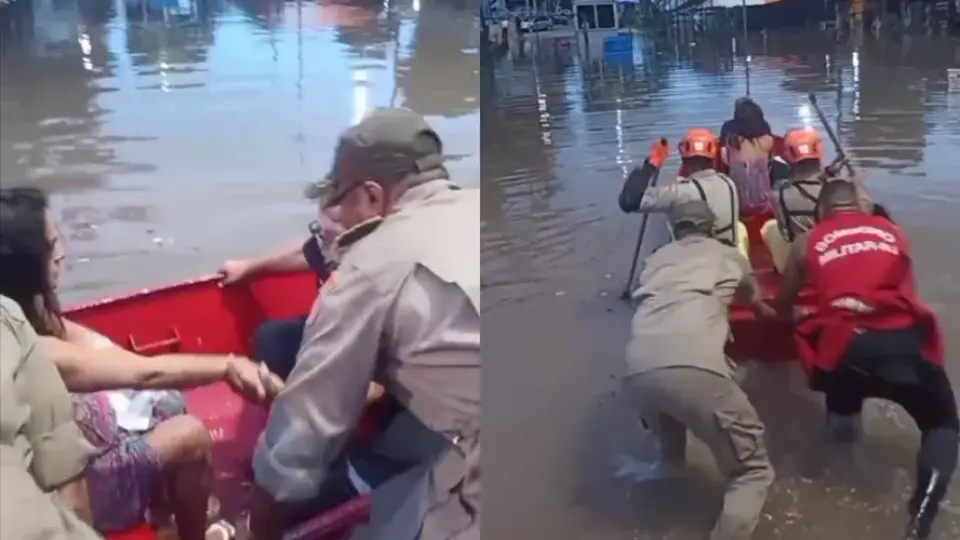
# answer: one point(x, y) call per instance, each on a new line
point(795, 197)
point(678, 375)
point(698, 151)
point(871, 337)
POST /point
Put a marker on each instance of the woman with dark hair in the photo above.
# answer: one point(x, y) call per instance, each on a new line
point(748, 145)
point(146, 443)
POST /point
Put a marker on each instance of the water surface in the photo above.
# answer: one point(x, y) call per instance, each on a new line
point(173, 134)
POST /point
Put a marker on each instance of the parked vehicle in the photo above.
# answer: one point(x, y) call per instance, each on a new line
point(541, 23)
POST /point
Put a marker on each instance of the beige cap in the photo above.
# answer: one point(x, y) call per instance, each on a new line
point(388, 144)
point(695, 214)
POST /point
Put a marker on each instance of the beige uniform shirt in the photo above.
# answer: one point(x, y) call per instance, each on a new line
point(682, 319)
point(401, 309)
point(714, 188)
point(41, 447)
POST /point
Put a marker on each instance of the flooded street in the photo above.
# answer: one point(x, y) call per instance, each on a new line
point(176, 133)
point(560, 129)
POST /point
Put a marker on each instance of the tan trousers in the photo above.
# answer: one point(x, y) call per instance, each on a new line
point(716, 410)
point(778, 245)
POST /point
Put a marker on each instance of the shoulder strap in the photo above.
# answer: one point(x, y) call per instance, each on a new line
point(788, 214)
point(734, 207)
point(815, 214)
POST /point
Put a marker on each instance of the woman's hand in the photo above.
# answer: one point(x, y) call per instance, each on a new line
point(254, 381)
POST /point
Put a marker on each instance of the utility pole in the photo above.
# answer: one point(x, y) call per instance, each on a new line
point(746, 49)
point(743, 6)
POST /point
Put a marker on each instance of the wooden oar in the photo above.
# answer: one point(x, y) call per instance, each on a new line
point(627, 293)
point(841, 155)
point(842, 159)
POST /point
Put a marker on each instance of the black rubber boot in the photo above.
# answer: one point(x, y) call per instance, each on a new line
point(935, 465)
point(923, 510)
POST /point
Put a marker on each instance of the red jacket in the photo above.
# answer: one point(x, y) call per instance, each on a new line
point(857, 257)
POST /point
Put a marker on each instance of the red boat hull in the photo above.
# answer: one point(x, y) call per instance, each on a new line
point(753, 339)
point(765, 340)
point(203, 317)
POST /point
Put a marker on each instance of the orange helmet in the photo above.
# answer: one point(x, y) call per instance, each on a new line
point(802, 144)
point(698, 142)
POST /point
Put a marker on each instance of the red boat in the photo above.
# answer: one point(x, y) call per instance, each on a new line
point(203, 317)
point(765, 340)
point(761, 339)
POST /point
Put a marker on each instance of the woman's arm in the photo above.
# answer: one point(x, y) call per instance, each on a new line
point(84, 337)
point(86, 369)
point(766, 144)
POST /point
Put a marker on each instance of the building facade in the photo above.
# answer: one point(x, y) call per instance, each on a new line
point(596, 14)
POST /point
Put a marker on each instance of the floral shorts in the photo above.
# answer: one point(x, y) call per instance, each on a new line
point(123, 478)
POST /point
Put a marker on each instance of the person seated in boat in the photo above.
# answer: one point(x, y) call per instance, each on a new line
point(277, 341)
point(43, 453)
point(404, 309)
point(146, 440)
point(747, 147)
point(795, 198)
point(678, 376)
point(697, 151)
point(870, 336)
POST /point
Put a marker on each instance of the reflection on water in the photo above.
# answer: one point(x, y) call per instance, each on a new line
point(561, 125)
point(146, 118)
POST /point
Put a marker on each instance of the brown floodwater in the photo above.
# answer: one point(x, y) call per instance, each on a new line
point(561, 126)
point(173, 134)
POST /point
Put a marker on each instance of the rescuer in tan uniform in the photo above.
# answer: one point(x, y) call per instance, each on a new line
point(43, 454)
point(402, 309)
point(678, 376)
point(698, 151)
